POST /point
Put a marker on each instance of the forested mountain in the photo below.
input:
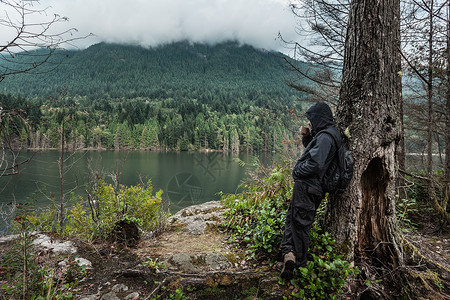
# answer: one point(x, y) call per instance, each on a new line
point(187, 96)
point(178, 69)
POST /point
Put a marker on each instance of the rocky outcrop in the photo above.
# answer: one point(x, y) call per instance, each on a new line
point(195, 220)
point(48, 244)
point(198, 260)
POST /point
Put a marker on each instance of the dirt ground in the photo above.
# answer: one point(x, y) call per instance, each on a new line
point(433, 240)
point(115, 263)
point(172, 242)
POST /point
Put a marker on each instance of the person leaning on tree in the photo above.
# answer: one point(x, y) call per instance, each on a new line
point(308, 192)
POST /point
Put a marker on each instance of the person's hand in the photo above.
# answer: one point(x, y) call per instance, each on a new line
point(304, 130)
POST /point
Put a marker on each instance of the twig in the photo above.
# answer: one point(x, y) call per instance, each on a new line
point(156, 289)
point(414, 176)
point(18, 164)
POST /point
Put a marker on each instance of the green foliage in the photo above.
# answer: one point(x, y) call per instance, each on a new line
point(97, 215)
point(405, 208)
point(179, 295)
point(81, 224)
point(42, 220)
point(417, 202)
point(20, 274)
point(256, 216)
point(326, 272)
point(154, 264)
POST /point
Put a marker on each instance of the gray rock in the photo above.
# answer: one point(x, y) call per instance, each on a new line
point(190, 263)
point(91, 297)
point(195, 228)
point(79, 260)
point(182, 262)
point(46, 243)
point(119, 288)
point(110, 296)
point(217, 261)
point(131, 296)
point(196, 219)
point(8, 238)
point(83, 262)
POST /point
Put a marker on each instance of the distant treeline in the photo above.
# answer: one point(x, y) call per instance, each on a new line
point(142, 124)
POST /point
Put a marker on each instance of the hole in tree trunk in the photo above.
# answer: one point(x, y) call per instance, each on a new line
point(374, 227)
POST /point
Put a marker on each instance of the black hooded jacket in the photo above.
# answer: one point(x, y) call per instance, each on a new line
point(319, 148)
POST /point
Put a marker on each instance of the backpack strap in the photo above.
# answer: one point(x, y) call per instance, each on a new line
point(330, 159)
point(331, 132)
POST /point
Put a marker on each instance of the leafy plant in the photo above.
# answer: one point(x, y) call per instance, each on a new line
point(404, 209)
point(256, 216)
point(23, 276)
point(106, 206)
point(154, 264)
point(96, 215)
point(179, 295)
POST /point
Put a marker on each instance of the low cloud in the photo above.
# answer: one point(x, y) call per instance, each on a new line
point(155, 22)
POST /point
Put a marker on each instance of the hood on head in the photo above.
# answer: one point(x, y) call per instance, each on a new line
point(320, 116)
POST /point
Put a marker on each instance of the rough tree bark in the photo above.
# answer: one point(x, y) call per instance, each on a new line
point(363, 219)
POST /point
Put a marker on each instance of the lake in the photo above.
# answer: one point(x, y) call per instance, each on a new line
point(186, 178)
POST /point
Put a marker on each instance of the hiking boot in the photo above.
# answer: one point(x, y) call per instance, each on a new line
point(289, 264)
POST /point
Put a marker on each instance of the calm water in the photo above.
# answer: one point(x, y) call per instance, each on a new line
point(186, 178)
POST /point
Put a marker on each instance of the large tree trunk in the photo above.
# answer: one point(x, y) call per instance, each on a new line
point(363, 219)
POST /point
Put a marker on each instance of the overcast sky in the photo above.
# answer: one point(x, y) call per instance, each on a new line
point(154, 22)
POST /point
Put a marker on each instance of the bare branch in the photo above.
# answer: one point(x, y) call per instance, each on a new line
point(19, 54)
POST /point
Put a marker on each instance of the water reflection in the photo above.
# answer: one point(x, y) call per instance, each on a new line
point(185, 177)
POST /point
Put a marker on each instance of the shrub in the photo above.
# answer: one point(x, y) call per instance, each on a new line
point(105, 206)
point(96, 215)
point(256, 216)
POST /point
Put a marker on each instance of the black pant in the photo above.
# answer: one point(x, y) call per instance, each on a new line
point(299, 220)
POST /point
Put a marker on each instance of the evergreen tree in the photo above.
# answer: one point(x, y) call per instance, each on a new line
point(235, 141)
point(97, 138)
point(184, 143)
point(145, 137)
point(23, 139)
